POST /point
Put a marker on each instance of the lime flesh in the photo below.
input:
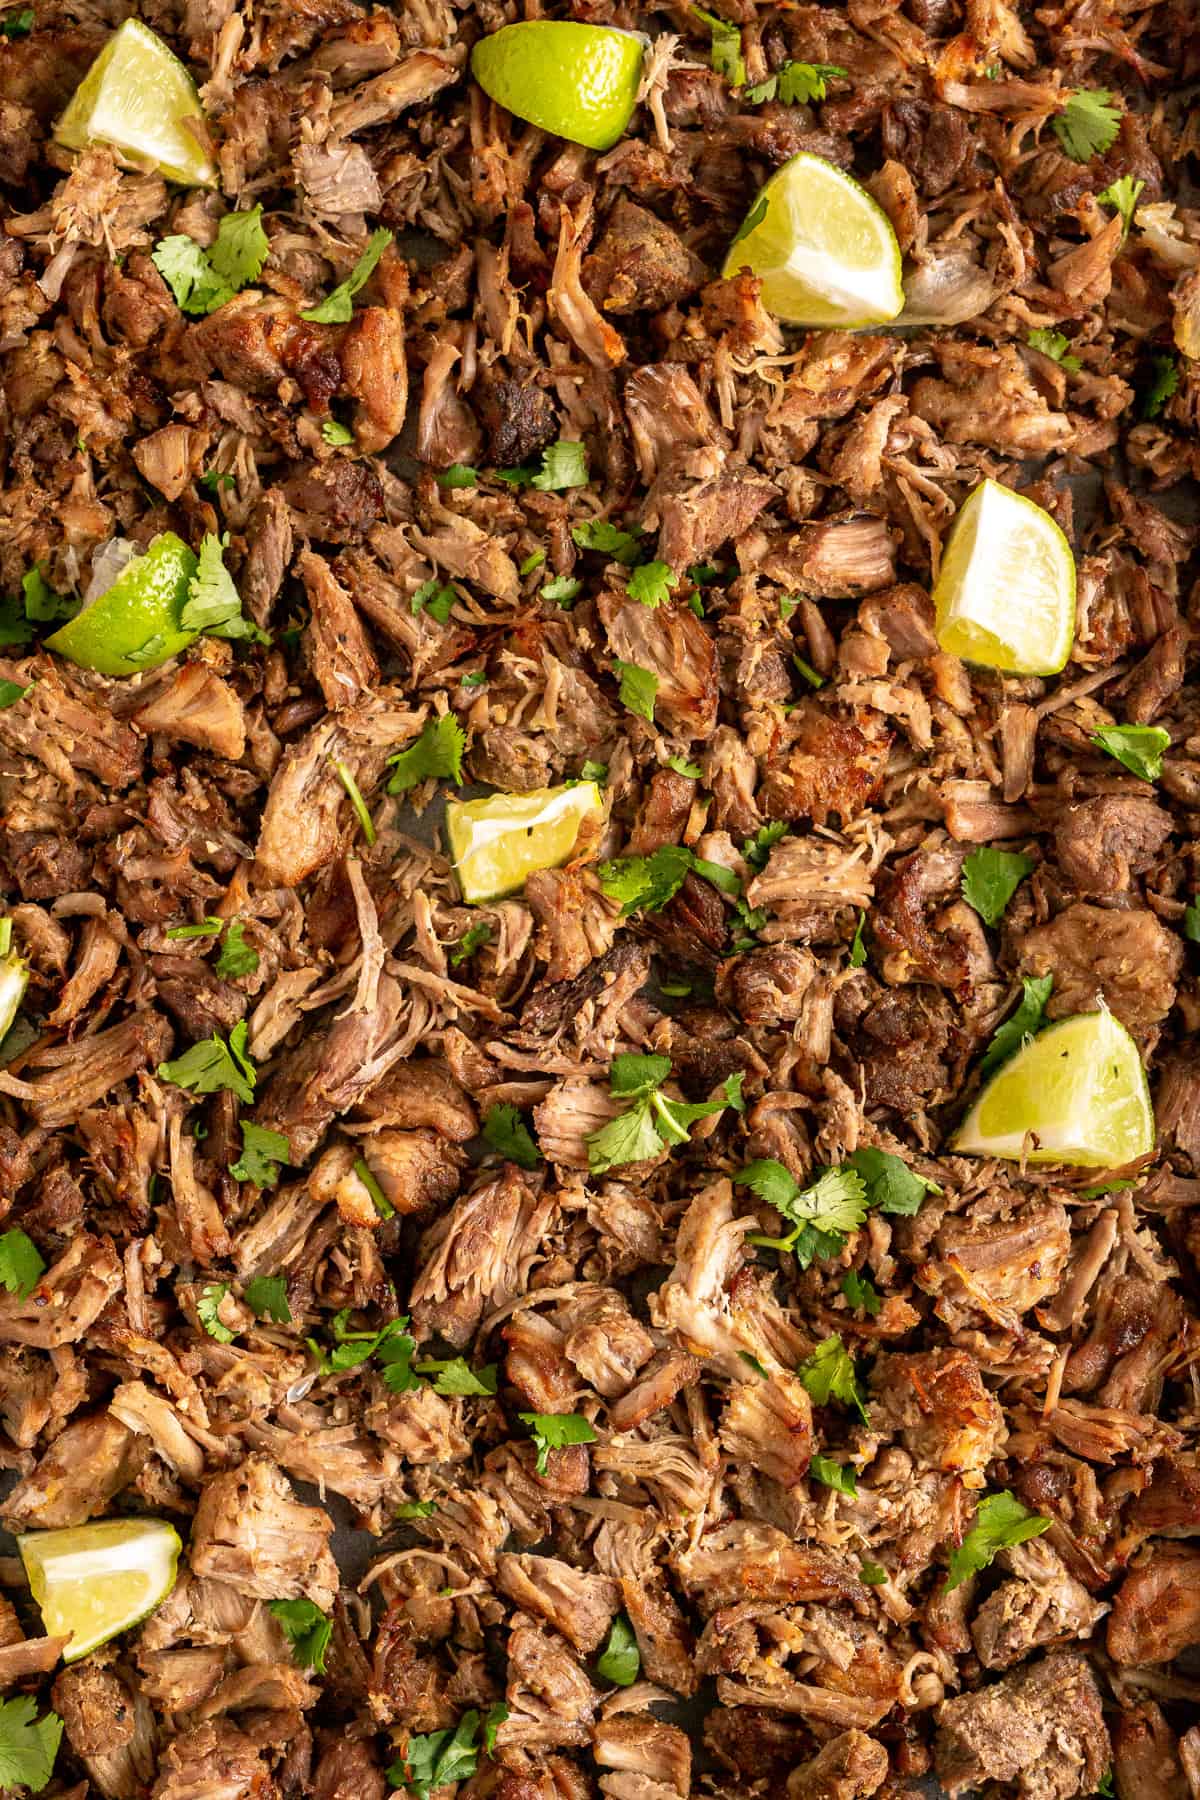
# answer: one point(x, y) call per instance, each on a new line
point(92, 1581)
point(1079, 1087)
point(826, 253)
point(138, 97)
point(14, 979)
point(579, 81)
point(1005, 592)
point(498, 841)
point(134, 624)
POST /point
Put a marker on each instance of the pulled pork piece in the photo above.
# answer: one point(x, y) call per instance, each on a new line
point(550, 1699)
point(751, 1561)
point(650, 1758)
point(480, 1251)
point(1127, 960)
point(87, 1465)
point(1040, 1729)
point(639, 264)
point(1043, 1605)
point(851, 1766)
point(1156, 1613)
point(945, 1416)
point(68, 1299)
point(109, 1727)
point(197, 707)
point(213, 1761)
point(250, 1531)
point(1101, 844)
point(674, 646)
point(828, 766)
point(580, 1606)
point(1002, 1266)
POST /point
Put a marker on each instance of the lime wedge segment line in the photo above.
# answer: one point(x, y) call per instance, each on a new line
point(496, 842)
point(138, 97)
point(1005, 593)
point(92, 1581)
point(1079, 1088)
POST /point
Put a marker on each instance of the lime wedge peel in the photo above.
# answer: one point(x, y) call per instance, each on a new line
point(92, 1581)
point(133, 625)
point(137, 97)
point(14, 979)
point(496, 842)
point(1079, 1088)
point(824, 250)
point(1005, 592)
point(579, 81)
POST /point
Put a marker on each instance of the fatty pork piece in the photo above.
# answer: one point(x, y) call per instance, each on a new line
point(1156, 1613)
point(947, 1420)
point(851, 1766)
point(1040, 1729)
point(250, 1531)
point(580, 1606)
point(110, 1726)
point(644, 1759)
point(1042, 1604)
point(92, 1460)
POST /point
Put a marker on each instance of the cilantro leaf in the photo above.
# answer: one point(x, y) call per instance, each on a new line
point(620, 1661)
point(533, 561)
point(436, 753)
point(1104, 1787)
point(873, 1573)
point(437, 1758)
point(335, 433)
point(266, 1296)
point(207, 1303)
point(651, 583)
point(1164, 382)
point(646, 883)
point(752, 220)
point(11, 692)
point(187, 271)
point(306, 1628)
point(990, 878)
point(1087, 126)
point(689, 770)
point(551, 1431)
point(1138, 748)
point(1122, 196)
point(638, 690)
point(801, 83)
point(416, 1509)
point(861, 1292)
point(757, 849)
point(28, 1745)
point(337, 308)
point(15, 25)
point(214, 1066)
point(654, 1120)
point(1000, 1522)
point(455, 1377)
point(629, 1138)
point(493, 1719)
point(458, 475)
point(1026, 1022)
point(819, 1214)
point(564, 589)
point(472, 940)
point(236, 957)
point(833, 1474)
point(208, 927)
point(890, 1184)
point(1191, 922)
point(379, 1199)
point(21, 1263)
point(632, 1076)
point(213, 603)
point(564, 465)
point(436, 598)
point(609, 539)
point(505, 1131)
point(262, 1153)
point(858, 950)
point(41, 602)
point(1055, 345)
point(828, 1374)
point(240, 248)
point(14, 626)
point(725, 53)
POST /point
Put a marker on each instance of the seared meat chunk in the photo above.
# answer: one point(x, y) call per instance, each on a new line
point(1156, 1613)
point(250, 1531)
point(1101, 844)
point(1127, 960)
point(639, 264)
point(1040, 1729)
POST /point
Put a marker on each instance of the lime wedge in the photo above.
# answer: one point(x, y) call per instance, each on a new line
point(14, 979)
point(138, 98)
point(134, 624)
point(92, 1581)
point(1079, 1086)
point(497, 842)
point(826, 253)
point(1005, 593)
point(579, 81)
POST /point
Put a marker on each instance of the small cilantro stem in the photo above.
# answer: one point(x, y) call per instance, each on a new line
point(356, 800)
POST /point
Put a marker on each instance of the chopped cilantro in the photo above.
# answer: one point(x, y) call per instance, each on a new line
point(1163, 383)
point(472, 940)
point(208, 927)
point(1138, 748)
point(262, 1153)
point(15, 25)
point(653, 1120)
point(41, 602)
point(725, 53)
point(796, 84)
point(533, 561)
point(436, 753)
point(1122, 196)
point(215, 1066)
point(819, 1214)
point(507, 1133)
point(564, 465)
point(236, 956)
point(758, 848)
point(266, 1296)
point(620, 1660)
point(689, 770)
point(28, 1745)
point(337, 308)
point(1000, 1522)
point(416, 1509)
point(1087, 125)
point(858, 950)
point(833, 1474)
point(890, 1184)
point(335, 433)
point(1026, 1022)
point(306, 1628)
point(439, 1758)
point(551, 1431)
point(990, 878)
point(862, 1293)
point(609, 539)
point(1055, 345)
point(379, 1199)
point(651, 583)
point(809, 673)
point(208, 1302)
point(213, 603)
point(361, 810)
point(873, 1573)
point(646, 883)
point(458, 475)
point(456, 1379)
point(201, 280)
point(828, 1374)
point(564, 588)
point(638, 690)
point(21, 1263)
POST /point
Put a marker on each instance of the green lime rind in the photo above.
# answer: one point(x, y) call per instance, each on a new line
point(135, 624)
point(578, 81)
point(96, 1580)
point(824, 250)
point(1079, 1088)
point(137, 97)
point(1005, 594)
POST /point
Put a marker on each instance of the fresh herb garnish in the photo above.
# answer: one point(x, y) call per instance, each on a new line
point(436, 753)
point(820, 1214)
point(507, 1133)
point(21, 1263)
point(552, 1431)
point(990, 878)
point(307, 1629)
point(337, 308)
point(266, 1296)
point(653, 1120)
point(1000, 1522)
point(215, 1066)
point(1138, 748)
point(208, 1302)
point(1087, 125)
point(638, 689)
point(435, 598)
point(620, 1660)
point(1055, 345)
point(862, 1293)
point(651, 583)
point(828, 1374)
point(1026, 1022)
point(262, 1153)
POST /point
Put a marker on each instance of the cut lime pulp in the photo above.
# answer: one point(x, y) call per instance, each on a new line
point(578, 81)
point(825, 252)
point(92, 1581)
point(137, 97)
point(135, 623)
point(1005, 592)
point(498, 841)
point(14, 979)
point(1079, 1088)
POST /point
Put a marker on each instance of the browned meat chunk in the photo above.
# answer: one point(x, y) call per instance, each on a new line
point(1156, 1613)
point(1127, 960)
point(639, 264)
point(1040, 1729)
point(1101, 844)
point(250, 1531)
point(674, 646)
point(849, 1767)
point(83, 1470)
point(829, 768)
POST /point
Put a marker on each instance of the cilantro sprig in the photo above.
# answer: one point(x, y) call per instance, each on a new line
point(1138, 748)
point(307, 1629)
point(620, 1661)
point(828, 1374)
point(653, 1120)
point(1056, 345)
point(262, 1153)
point(436, 754)
point(990, 878)
point(1087, 125)
point(506, 1132)
point(438, 1758)
point(201, 280)
point(28, 1745)
point(22, 1264)
point(215, 1066)
point(337, 308)
point(820, 1214)
point(1000, 1522)
point(553, 1431)
point(796, 84)
point(1025, 1022)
